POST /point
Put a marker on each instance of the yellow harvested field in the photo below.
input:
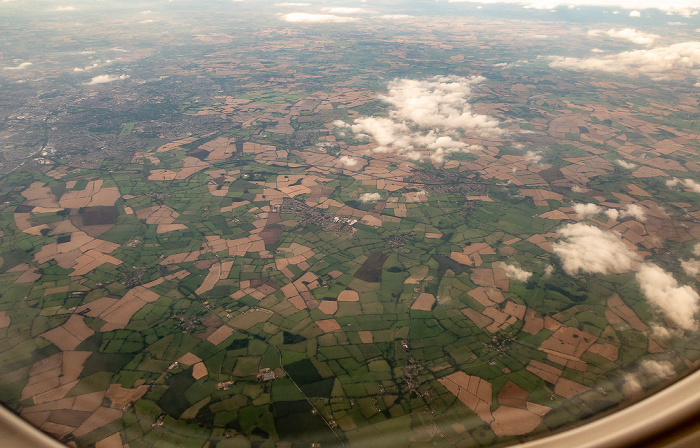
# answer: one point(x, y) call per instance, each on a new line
point(119, 314)
point(101, 417)
point(189, 359)
point(122, 396)
point(113, 441)
point(534, 323)
point(461, 258)
point(479, 319)
point(93, 195)
point(544, 371)
point(191, 165)
point(165, 228)
point(473, 391)
point(569, 389)
point(366, 337)
point(4, 320)
point(22, 221)
point(509, 421)
point(161, 214)
point(328, 325)
point(424, 302)
point(348, 296)
point(234, 206)
point(199, 371)
point(69, 335)
point(29, 276)
point(220, 335)
point(38, 194)
point(176, 144)
point(608, 351)
point(90, 260)
point(211, 279)
point(328, 306)
point(618, 312)
point(249, 318)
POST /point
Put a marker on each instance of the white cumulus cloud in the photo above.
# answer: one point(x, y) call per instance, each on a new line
point(691, 267)
point(585, 210)
point(625, 164)
point(343, 10)
point(302, 17)
point(370, 197)
point(348, 161)
point(692, 185)
point(631, 385)
point(633, 211)
point(93, 66)
point(103, 79)
point(428, 115)
point(685, 8)
point(679, 303)
point(630, 34)
point(517, 273)
point(589, 249)
point(630, 211)
point(21, 66)
point(654, 62)
point(660, 369)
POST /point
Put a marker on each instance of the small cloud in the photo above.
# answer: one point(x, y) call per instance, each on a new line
point(21, 66)
point(93, 66)
point(672, 182)
point(147, 21)
point(395, 17)
point(612, 213)
point(301, 17)
point(370, 197)
point(589, 249)
point(585, 210)
point(631, 385)
point(634, 211)
point(662, 333)
point(65, 8)
point(103, 79)
point(578, 189)
point(691, 267)
point(348, 161)
point(629, 34)
point(533, 156)
point(696, 250)
point(692, 185)
point(625, 164)
point(635, 14)
point(292, 4)
point(679, 303)
point(659, 369)
point(549, 270)
point(429, 116)
point(654, 62)
point(630, 211)
point(517, 273)
point(342, 10)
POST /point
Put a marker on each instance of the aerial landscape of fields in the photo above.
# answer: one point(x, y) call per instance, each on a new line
point(260, 224)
